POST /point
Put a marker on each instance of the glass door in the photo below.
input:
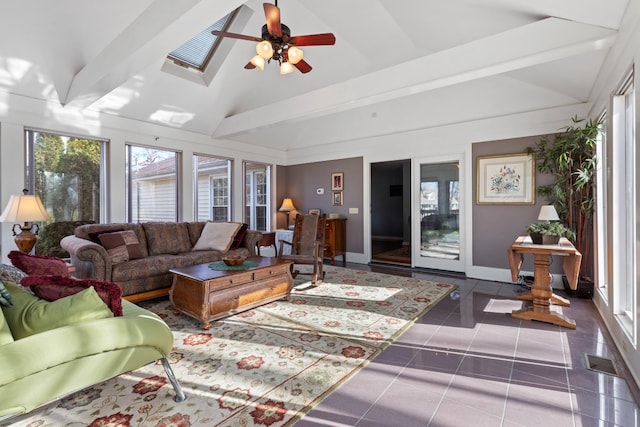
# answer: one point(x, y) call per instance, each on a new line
point(438, 202)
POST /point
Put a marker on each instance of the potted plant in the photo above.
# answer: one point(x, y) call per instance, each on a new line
point(570, 157)
point(547, 232)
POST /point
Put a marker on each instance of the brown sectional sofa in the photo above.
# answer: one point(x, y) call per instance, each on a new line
point(164, 245)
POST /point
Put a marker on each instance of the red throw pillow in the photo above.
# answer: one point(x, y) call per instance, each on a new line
point(38, 264)
point(239, 237)
point(51, 288)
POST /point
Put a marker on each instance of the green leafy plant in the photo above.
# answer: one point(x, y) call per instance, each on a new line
point(553, 228)
point(570, 157)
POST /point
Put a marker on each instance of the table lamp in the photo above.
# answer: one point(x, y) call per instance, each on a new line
point(287, 206)
point(27, 209)
point(548, 213)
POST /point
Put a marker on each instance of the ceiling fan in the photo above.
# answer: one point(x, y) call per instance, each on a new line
point(278, 44)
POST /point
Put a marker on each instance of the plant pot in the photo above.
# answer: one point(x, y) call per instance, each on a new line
point(536, 238)
point(544, 239)
point(550, 240)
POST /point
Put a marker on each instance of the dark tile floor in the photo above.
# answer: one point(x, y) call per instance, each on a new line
point(467, 362)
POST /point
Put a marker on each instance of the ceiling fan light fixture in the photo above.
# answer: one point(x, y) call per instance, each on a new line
point(264, 49)
point(258, 61)
point(294, 54)
point(286, 68)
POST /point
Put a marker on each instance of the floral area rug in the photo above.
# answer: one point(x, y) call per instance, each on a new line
point(267, 366)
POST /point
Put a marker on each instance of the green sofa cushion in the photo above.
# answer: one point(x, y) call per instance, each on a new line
point(5, 333)
point(31, 315)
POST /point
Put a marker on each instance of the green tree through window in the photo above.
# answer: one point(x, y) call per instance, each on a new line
point(65, 173)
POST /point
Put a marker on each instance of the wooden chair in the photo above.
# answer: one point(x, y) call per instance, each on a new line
point(307, 244)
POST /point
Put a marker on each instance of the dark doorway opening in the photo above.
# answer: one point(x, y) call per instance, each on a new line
point(391, 212)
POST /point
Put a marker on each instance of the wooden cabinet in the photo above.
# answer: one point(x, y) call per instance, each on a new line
point(335, 239)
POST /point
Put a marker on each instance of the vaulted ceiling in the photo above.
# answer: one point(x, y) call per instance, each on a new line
point(396, 65)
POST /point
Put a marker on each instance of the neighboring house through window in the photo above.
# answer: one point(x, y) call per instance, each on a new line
point(152, 184)
point(257, 195)
point(212, 176)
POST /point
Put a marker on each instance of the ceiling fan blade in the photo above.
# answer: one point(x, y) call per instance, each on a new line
point(235, 36)
point(314, 40)
point(303, 66)
point(249, 66)
point(272, 14)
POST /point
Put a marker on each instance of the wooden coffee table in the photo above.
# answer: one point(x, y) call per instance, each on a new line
point(207, 294)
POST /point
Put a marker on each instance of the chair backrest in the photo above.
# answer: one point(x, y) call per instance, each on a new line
point(305, 234)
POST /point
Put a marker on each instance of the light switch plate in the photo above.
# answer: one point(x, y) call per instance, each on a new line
point(353, 210)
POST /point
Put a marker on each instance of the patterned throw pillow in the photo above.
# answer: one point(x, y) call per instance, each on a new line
point(51, 288)
point(121, 245)
point(5, 296)
point(37, 264)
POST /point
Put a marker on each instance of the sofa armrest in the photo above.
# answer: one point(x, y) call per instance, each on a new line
point(250, 241)
point(90, 260)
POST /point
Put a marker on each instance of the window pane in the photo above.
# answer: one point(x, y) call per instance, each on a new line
point(257, 196)
point(212, 178)
point(152, 184)
point(65, 172)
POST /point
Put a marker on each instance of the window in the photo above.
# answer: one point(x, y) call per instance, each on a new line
point(624, 199)
point(197, 52)
point(65, 172)
point(212, 178)
point(602, 239)
point(152, 184)
point(257, 195)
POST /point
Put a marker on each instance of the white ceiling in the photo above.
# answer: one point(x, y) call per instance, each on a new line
point(396, 65)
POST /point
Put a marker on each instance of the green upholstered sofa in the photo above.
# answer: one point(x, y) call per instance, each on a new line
point(37, 367)
point(163, 245)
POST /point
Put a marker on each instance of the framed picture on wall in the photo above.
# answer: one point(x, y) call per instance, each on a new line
point(506, 179)
point(337, 183)
point(337, 198)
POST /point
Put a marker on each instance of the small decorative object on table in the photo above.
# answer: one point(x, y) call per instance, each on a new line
point(233, 260)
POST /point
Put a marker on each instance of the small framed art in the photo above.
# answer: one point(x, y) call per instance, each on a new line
point(337, 198)
point(337, 183)
point(507, 179)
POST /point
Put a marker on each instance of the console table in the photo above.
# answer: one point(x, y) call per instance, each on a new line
point(335, 239)
point(542, 295)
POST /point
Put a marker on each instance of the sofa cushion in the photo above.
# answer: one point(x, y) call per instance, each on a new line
point(37, 264)
point(52, 288)
point(31, 315)
point(121, 245)
point(167, 237)
point(217, 236)
point(5, 333)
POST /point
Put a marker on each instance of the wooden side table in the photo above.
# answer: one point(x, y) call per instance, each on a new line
point(267, 239)
point(542, 295)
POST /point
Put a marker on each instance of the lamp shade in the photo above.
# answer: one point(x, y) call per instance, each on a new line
point(25, 208)
point(548, 213)
point(287, 205)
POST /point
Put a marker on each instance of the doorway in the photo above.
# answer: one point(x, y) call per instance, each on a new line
point(438, 225)
point(391, 212)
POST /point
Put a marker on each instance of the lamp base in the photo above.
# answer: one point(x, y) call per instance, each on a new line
point(25, 240)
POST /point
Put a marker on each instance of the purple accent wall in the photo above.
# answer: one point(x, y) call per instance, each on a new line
point(495, 227)
point(300, 182)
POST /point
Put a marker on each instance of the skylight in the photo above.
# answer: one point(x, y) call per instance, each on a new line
point(197, 52)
